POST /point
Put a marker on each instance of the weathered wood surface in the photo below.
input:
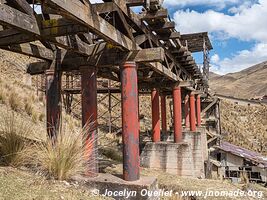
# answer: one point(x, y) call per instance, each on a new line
point(12, 17)
point(84, 14)
point(77, 26)
point(31, 50)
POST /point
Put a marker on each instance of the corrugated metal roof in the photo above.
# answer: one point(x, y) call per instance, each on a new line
point(255, 157)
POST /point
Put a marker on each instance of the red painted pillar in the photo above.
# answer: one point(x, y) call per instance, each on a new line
point(130, 125)
point(53, 102)
point(155, 116)
point(177, 113)
point(186, 108)
point(198, 111)
point(163, 114)
point(192, 113)
point(89, 117)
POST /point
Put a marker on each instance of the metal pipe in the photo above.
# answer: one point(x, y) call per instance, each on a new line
point(177, 113)
point(89, 117)
point(163, 114)
point(53, 102)
point(155, 116)
point(130, 125)
point(192, 113)
point(198, 111)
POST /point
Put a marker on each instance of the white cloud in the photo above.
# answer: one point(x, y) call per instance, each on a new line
point(216, 3)
point(248, 24)
point(215, 58)
point(241, 60)
point(237, 9)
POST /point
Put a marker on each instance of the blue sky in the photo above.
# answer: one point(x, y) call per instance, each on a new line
point(237, 28)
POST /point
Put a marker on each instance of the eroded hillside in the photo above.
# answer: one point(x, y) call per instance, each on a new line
point(245, 126)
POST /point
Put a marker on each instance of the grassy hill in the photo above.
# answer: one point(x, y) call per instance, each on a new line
point(247, 83)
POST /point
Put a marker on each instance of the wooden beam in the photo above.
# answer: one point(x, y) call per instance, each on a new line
point(13, 36)
point(17, 19)
point(131, 3)
point(172, 35)
point(147, 55)
point(61, 27)
point(38, 67)
point(161, 69)
point(189, 83)
point(162, 13)
point(165, 25)
point(109, 58)
point(22, 5)
point(31, 50)
point(83, 13)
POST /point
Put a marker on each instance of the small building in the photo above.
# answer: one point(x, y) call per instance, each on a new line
point(232, 162)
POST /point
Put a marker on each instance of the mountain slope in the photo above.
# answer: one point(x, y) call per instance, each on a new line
point(247, 83)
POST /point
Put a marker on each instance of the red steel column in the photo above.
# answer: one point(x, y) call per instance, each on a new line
point(53, 102)
point(192, 113)
point(177, 113)
point(89, 117)
point(198, 111)
point(163, 114)
point(186, 108)
point(130, 125)
point(155, 116)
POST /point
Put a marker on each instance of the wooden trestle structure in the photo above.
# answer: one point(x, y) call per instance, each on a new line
point(109, 40)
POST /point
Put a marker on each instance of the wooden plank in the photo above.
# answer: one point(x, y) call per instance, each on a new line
point(131, 3)
point(161, 69)
point(38, 67)
point(159, 14)
point(140, 39)
point(121, 4)
point(165, 25)
point(60, 27)
point(84, 14)
point(31, 50)
point(147, 55)
point(17, 19)
point(22, 5)
point(172, 35)
point(15, 39)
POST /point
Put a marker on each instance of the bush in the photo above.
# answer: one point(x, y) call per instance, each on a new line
point(13, 143)
point(63, 158)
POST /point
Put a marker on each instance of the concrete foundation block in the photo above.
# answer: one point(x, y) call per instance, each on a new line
point(184, 159)
point(112, 186)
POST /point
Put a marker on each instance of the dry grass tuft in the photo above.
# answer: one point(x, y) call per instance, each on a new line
point(63, 158)
point(35, 116)
point(14, 101)
point(3, 96)
point(28, 108)
point(42, 117)
point(13, 143)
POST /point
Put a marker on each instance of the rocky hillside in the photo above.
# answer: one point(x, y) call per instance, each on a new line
point(247, 83)
point(245, 126)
